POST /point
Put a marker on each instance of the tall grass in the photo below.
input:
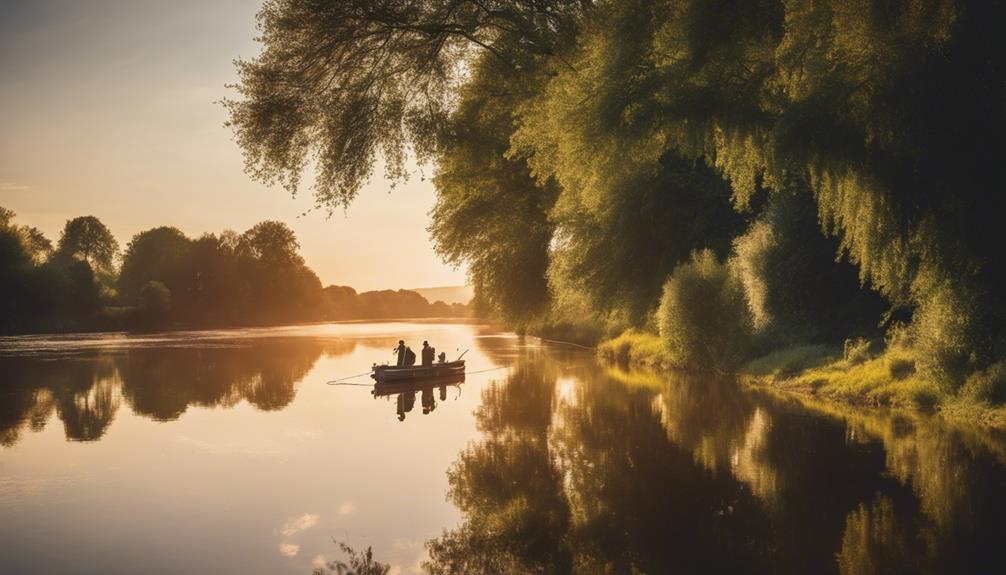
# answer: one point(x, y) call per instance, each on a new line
point(637, 348)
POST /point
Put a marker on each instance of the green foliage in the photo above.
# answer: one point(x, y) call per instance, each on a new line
point(358, 563)
point(856, 351)
point(988, 384)
point(899, 368)
point(340, 83)
point(703, 317)
point(88, 239)
point(788, 362)
point(342, 302)
point(944, 331)
point(157, 255)
point(169, 280)
point(859, 377)
point(619, 251)
point(795, 289)
point(272, 243)
point(636, 348)
point(37, 288)
point(490, 212)
point(155, 302)
point(582, 151)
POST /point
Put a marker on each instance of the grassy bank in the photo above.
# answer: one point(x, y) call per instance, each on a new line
point(854, 375)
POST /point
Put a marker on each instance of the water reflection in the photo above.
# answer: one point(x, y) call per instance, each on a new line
point(82, 393)
point(404, 394)
point(582, 469)
point(86, 390)
point(571, 467)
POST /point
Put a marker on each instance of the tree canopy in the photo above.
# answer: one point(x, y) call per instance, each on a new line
point(168, 280)
point(86, 238)
point(583, 151)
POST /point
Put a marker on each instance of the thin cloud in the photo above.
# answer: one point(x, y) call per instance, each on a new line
point(298, 524)
point(289, 549)
point(6, 187)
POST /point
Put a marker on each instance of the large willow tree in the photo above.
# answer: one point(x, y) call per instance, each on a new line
point(340, 84)
point(591, 147)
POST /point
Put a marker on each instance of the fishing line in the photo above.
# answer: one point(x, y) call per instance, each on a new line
point(336, 381)
point(566, 343)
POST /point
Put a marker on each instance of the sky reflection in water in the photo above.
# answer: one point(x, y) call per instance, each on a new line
point(225, 451)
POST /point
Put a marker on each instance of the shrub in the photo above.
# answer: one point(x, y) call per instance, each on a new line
point(945, 331)
point(155, 302)
point(988, 384)
point(703, 316)
point(788, 362)
point(900, 367)
point(635, 348)
point(796, 290)
point(856, 351)
point(924, 395)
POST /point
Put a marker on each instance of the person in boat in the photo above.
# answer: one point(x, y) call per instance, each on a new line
point(428, 354)
point(442, 358)
point(406, 357)
point(400, 351)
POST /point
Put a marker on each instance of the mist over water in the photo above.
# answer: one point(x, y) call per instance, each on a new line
point(225, 451)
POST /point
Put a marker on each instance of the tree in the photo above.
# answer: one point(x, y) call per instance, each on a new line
point(379, 77)
point(214, 289)
point(272, 243)
point(888, 115)
point(787, 268)
point(39, 246)
point(490, 211)
point(88, 239)
point(155, 302)
point(34, 289)
point(155, 255)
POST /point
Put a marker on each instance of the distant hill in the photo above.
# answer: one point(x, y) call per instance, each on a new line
point(342, 302)
point(447, 294)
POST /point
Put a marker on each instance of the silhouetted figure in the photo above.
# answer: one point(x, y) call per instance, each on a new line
point(400, 351)
point(442, 358)
point(428, 353)
point(406, 357)
point(429, 404)
point(406, 401)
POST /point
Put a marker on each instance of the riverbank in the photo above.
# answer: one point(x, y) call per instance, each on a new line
point(851, 376)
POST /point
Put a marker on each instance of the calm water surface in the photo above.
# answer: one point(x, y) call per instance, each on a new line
point(227, 452)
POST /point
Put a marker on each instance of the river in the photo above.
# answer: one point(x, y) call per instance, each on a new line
point(230, 452)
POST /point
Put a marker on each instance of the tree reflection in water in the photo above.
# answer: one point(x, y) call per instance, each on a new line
point(587, 470)
point(85, 390)
point(82, 393)
point(582, 469)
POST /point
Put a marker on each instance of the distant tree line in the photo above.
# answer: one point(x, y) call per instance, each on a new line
point(734, 176)
point(166, 279)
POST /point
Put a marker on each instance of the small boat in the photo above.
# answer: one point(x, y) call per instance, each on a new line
point(418, 385)
point(387, 374)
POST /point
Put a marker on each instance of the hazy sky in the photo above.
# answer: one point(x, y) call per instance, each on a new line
point(108, 108)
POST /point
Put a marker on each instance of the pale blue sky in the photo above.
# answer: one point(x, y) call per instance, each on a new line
point(108, 108)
